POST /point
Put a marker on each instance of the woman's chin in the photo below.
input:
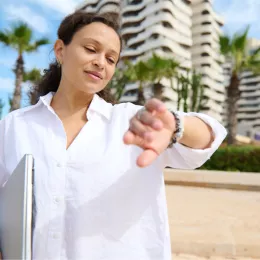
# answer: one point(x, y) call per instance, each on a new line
point(91, 90)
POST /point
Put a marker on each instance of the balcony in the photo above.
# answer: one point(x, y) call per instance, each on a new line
point(255, 80)
point(150, 10)
point(160, 31)
point(245, 116)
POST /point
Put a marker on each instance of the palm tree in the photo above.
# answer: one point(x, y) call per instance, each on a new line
point(138, 72)
point(120, 80)
point(33, 76)
point(198, 100)
point(160, 68)
point(19, 37)
point(183, 91)
point(190, 92)
point(235, 50)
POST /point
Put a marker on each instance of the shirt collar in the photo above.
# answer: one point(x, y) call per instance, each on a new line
point(97, 105)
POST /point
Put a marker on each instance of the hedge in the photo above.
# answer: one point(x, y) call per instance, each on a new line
point(235, 158)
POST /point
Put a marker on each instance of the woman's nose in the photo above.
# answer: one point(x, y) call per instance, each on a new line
point(99, 62)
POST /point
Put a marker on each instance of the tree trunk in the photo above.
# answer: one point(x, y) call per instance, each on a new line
point(185, 91)
point(194, 97)
point(233, 95)
point(16, 101)
point(140, 99)
point(158, 90)
point(201, 98)
point(179, 94)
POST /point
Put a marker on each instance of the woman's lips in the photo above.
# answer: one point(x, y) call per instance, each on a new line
point(94, 76)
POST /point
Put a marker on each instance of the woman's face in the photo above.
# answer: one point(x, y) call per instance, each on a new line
point(89, 61)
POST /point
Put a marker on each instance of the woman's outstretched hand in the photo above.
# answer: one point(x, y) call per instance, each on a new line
point(151, 129)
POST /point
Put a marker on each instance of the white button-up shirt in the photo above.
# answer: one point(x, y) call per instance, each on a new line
point(92, 200)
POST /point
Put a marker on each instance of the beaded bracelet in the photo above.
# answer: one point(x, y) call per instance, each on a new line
point(178, 133)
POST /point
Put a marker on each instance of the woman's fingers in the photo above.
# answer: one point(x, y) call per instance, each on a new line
point(146, 157)
point(149, 119)
point(131, 138)
point(155, 105)
point(142, 126)
point(137, 127)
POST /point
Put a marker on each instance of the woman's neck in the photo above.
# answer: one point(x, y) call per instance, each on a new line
point(71, 103)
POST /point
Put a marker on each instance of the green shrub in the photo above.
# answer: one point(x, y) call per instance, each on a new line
point(235, 158)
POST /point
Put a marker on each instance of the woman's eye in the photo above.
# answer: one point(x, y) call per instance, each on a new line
point(90, 50)
point(111, 61)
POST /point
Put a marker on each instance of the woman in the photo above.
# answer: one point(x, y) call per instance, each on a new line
point(99, 183)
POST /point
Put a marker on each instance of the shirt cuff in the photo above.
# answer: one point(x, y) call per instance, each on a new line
point(197, 157)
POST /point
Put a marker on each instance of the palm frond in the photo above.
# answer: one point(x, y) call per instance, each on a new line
point(37, 44)
point(253, 65)
point(255, 54)
point(239, 42)
point(33, 75)
point(4, 38)
point(225, 44)
point(20, 37)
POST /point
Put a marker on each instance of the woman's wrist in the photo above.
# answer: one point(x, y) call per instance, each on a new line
point(179, 129)
point(198, 134)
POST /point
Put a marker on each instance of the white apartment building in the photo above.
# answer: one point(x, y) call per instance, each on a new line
point(249, 103)
point(161, 27)
point(184, 30)
point(206, 57)
point(98, 6)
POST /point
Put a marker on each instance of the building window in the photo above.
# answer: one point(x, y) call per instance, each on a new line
point(206, 44)
point(205, 33)
point(136, 45)
point(167, 25)
point(167, 11)
point(155, 36)
point(136, 2)
point(205, 23)
point(166, 49)
point(205, 12)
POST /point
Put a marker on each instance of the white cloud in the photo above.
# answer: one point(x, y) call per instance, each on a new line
point(7, 84)
point(25, 14)
point(63, 7)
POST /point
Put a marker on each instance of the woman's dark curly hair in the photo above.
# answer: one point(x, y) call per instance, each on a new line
point(69, 26)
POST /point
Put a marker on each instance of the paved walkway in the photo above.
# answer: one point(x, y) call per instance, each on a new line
point(192, 257)
point(221, 222)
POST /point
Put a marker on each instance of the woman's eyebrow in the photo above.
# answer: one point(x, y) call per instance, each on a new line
point(93, 40)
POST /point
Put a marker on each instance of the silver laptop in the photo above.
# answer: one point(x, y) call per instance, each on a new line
point(16, 212)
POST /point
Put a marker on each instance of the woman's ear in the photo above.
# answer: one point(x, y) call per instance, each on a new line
point(59, 50)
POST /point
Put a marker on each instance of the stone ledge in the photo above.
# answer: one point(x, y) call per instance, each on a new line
point(213, 179)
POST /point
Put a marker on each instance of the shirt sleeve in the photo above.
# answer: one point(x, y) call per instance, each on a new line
point(3, 172)
point(182, 157)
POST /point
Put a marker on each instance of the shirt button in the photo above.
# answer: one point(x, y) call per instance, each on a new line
point(57, 199)
point(55, 235)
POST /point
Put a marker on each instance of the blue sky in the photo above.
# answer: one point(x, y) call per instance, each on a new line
point(44, 16)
